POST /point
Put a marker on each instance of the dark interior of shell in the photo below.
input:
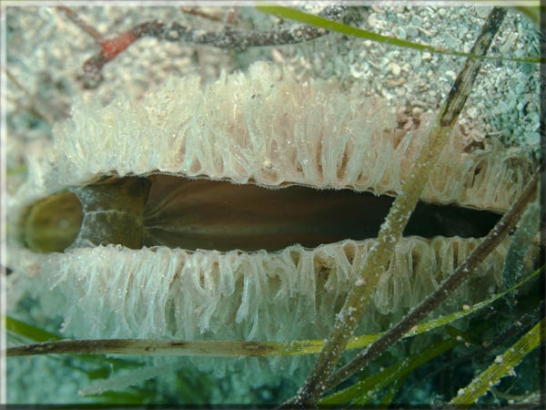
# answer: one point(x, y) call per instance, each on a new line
point(166, 210)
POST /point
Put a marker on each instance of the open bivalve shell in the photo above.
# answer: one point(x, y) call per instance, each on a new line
point(275, 133)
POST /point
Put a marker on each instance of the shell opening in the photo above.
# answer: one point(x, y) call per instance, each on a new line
point(172, 211)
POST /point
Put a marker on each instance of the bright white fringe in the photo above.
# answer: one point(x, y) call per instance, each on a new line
point(268, 127)
point(293, 294)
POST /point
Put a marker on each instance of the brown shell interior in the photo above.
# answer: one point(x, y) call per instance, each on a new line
point(177, 212)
